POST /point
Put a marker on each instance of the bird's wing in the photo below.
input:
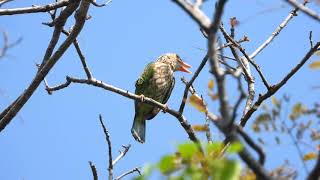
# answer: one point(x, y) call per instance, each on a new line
point(144, 80)
point(169, 91)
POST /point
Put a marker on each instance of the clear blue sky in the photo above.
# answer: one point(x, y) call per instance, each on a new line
point(54, 137)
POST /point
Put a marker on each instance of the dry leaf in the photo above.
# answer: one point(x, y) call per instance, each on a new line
point(309, 156)
point(197, 102)
point(315, 65)
point(211, 84)
point(200, 127)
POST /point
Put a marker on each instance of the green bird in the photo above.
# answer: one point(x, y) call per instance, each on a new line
point(156, 82)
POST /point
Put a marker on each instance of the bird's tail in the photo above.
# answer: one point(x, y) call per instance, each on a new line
point(138, 129)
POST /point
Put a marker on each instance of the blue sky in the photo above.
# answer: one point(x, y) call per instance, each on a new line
point(54, 137)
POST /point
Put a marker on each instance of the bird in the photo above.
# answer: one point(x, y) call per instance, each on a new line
point(156, 82)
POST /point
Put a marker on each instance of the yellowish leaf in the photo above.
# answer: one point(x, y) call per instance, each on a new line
point(211, 84)
point(318, 53)
point(275, 102)
point(197, 102)
point(315, 65)
point(200, 127)
point(309, 156)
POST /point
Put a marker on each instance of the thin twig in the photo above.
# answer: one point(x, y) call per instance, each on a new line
point(81, 56)
point(295, 143)
point(100, 5)
point(252, 144)
point(35, 9)
point(7, 45)
point(304, 9)
point(122, 154)
point(243, 63)
point(93, 170)
point(195, 75)
point(129, 172)
point(277, 86)
point(107, 136)
point(80, 17)
point(276, 32)
point(195, 13)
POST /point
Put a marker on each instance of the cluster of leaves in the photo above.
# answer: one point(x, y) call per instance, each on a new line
point(189, 162)
point(299, 124)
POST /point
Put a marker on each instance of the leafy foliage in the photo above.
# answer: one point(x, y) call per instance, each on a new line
point(190, 163)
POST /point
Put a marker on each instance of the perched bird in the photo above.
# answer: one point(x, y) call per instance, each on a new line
point(156, 82)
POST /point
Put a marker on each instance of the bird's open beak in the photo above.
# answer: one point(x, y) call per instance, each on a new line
point(184, 67)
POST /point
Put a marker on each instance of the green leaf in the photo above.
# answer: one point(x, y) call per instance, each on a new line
point(224, 169)
point(214, 148)
point(187, 150)
point(235, 147)
point(167, 164)
point(231, 171)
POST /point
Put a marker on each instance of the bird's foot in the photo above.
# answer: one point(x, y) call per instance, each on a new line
point(165, 109)
point(142, 97)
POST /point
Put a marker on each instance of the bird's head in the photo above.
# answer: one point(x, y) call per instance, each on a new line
point(175, 62)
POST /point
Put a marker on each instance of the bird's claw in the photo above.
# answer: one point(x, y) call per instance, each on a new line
point(142, 97)
point(165, 109)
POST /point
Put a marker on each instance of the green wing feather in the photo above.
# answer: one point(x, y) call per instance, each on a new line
point(168, 93)
point(143, 80)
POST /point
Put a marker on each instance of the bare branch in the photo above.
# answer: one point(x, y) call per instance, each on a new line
point(275, 33)
point(100, 5)
point(35, 9)
point(7, 45)
point(129, 172)
point(81, 56)
point(122, 154)
point(107, 136)
point(243, 63)
point(277, 86)
point(127, 94)
point(295, 143)
point(252, 144)
point(80, 17)
point(195, 75)
point(4, 2)
point(93, 170)
point(304, 9)
point(195, 13)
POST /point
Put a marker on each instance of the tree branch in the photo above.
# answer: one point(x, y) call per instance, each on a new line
point(304, 9)
point(107, 136)
point(80, 17)
point(93, 170)
point(122, 154)
point(129, 172)
point(36, 9)
point(276, 87)
point(129, 95)
point(252, 144)
point(277, 31)
point(195, 75)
